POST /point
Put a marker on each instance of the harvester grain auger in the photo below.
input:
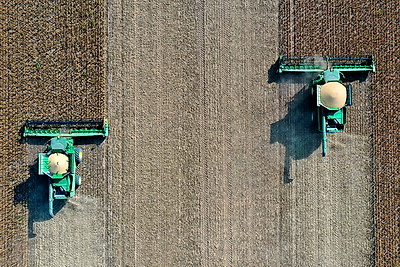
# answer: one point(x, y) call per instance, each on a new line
point(332, 97)
point(61, 157)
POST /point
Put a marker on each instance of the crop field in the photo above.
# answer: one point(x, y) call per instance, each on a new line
point(361, 27)
point(212, 158)
point(53, 68)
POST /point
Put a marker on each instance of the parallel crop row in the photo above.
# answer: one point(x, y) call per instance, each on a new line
point(53, 67)
point(360, 27)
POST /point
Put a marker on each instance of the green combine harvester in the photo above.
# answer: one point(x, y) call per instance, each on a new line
point(332, 97)
point(61, 157)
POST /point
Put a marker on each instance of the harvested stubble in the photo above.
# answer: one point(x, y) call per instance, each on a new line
point(361, 27)
point(53, 67)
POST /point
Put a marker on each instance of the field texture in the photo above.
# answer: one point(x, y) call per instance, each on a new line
point(213, 143)
point(211, 160)
point(361, 27)
point(53, 67)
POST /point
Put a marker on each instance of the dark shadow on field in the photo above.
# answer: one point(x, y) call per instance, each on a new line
point(273, 75)
point(34, 193)
point(298, 130)
point(360, 76)
point(94, 140)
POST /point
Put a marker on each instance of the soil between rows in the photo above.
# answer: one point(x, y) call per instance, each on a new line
point(207, 162)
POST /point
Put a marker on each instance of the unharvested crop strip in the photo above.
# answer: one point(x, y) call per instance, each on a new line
point(53, 68)
point(362, 27)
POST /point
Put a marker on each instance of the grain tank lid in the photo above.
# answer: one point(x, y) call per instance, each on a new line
point(333, 95)
point(58, 163)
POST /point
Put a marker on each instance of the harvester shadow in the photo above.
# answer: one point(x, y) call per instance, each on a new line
point(92, 140)
point(34, 193)
point(350, 77)
point(297, 131)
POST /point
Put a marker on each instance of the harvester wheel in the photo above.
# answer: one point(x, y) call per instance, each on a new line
point(78, 180)
point(78, 155)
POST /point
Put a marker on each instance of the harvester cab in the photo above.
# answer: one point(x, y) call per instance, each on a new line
point(332, 97)
point(61, 158)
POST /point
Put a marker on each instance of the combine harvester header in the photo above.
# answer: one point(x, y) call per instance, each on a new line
point(87, 128)
point(321, 63)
